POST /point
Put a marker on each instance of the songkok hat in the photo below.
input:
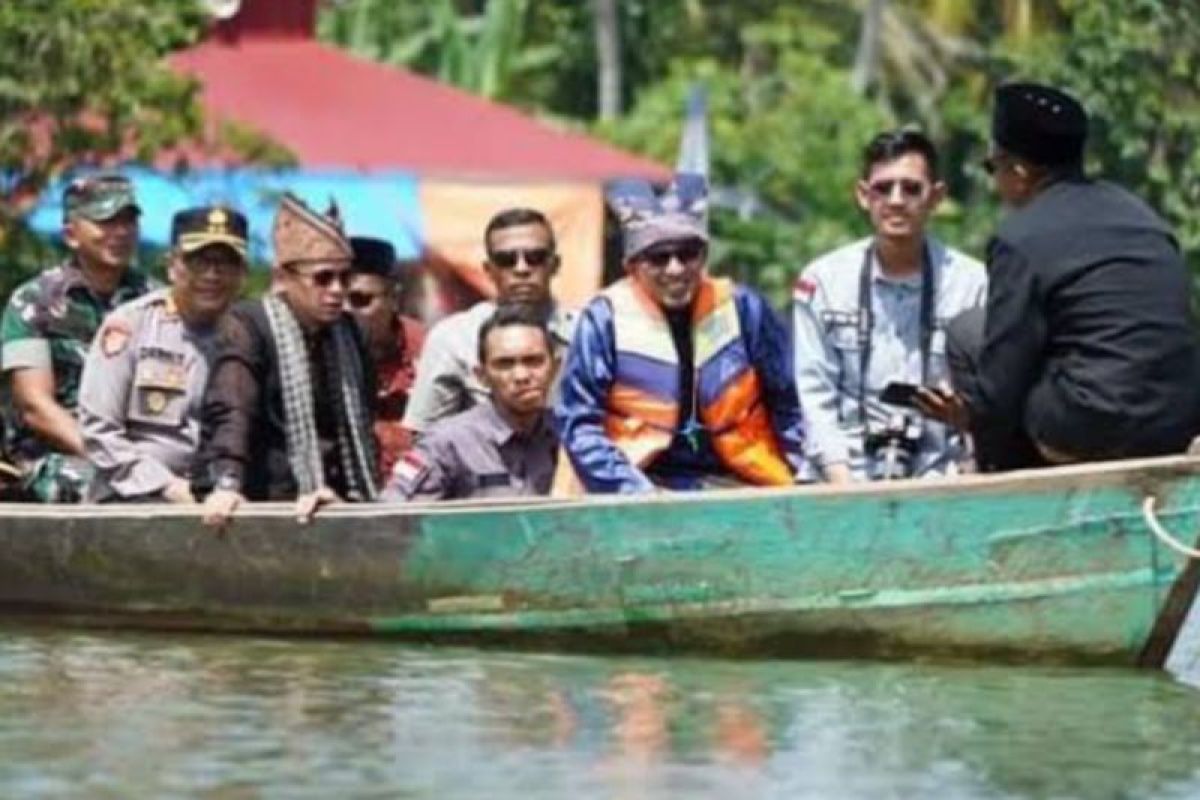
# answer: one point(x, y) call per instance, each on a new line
point(1040, 124)
point(373, 257)
point(197, 228)
point(302, 235)
point(99, 197)
point(648, 219)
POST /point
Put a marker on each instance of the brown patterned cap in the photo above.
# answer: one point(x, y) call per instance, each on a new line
point(302, 235)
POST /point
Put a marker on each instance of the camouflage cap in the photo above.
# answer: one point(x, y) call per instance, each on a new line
point(99, 197)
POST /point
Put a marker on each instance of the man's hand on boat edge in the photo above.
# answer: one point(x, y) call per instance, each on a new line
point(219, 507)
point(307, 505)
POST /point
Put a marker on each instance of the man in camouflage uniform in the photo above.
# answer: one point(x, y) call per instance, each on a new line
point(48, 326)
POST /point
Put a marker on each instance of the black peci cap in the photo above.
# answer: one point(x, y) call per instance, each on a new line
point(373, 257)
point(197, 228)
point(1040, 124)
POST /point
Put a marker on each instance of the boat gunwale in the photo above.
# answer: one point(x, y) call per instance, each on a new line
point(1131, 471)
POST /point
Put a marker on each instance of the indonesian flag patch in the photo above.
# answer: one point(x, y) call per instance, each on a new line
point(803, 290)
point(410, 467)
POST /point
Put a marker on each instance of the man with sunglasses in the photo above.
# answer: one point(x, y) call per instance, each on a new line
point(874, 312)
point(48, 326)
point(393, 340)
point(144, 379)
point(287, 414)
point(1087, 350)
point(676, 380)
point(521, 262)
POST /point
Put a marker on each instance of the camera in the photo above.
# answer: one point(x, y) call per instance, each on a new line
point(892, 449)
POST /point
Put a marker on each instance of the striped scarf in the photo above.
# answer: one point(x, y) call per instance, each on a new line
point(344, 374)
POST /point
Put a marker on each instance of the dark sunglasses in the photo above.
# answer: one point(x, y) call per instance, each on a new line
point(534, 257)
point(361, 299)
point(322, 278)
point(687, 254)
point(909, 188)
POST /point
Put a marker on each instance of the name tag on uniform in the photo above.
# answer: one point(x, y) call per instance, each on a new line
point(493, 480)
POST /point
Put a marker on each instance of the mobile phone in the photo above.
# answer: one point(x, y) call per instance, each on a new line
point(900, 394)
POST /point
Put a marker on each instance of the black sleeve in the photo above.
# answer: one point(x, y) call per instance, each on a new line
point(231, 404)
point(1013, 347)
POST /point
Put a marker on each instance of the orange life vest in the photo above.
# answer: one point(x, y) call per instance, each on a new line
point(643, 404)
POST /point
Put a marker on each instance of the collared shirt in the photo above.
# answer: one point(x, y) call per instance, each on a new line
point(827, 350)
point(476, 453)
point(395, 376)
point(446, 382)
point(140, 397)
point(49, 323)
point(690, 461)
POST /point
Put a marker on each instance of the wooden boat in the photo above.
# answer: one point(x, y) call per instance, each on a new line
point(1041, 565)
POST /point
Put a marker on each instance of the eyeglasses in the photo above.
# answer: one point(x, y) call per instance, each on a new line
point(534, 257)
point(910, 189)
point(322, 278)
point(687, 254)
point(359, 299)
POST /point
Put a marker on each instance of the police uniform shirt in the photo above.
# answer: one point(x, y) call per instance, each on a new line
point(827, 350)
point(446, 383)
point(139, 401)
point(476, 454)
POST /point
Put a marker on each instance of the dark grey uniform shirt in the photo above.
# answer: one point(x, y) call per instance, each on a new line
point(476, 453)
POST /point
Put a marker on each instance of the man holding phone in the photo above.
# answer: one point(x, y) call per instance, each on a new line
point(872, 313)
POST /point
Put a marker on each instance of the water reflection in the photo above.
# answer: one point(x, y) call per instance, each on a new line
point(128, 715)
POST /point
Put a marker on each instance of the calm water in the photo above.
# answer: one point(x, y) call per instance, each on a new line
point(115, 715)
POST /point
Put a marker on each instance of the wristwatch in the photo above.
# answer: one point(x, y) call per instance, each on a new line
point(228, 482)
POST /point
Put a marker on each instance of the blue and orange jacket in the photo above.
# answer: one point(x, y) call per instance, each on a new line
point(619, 414)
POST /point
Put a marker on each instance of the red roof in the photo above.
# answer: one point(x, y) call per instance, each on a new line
point(333, 110)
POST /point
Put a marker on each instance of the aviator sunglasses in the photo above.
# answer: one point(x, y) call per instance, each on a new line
point(322, 278)
point(533, 256)
point(910, 189)
point(687, 254)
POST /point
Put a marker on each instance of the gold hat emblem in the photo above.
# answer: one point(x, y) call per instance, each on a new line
point(218, 221)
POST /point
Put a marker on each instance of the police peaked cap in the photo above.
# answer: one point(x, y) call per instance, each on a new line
point(373, 256)
point(1040, 124)
point(197, 228)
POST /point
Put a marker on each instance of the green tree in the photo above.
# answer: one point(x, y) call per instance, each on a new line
point(80, 81)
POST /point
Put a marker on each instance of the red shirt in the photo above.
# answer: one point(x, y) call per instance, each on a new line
point(395, 379)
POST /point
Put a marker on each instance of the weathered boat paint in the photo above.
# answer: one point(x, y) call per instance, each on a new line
point(1053, 564)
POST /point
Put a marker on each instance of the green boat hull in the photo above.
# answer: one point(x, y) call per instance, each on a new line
point(1049, 565)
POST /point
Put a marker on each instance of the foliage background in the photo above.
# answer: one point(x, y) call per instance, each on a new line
point(797, 87)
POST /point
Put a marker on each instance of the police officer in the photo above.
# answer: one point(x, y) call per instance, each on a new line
point(503, 447)
point(872, 313)
point(49, 324)
point(139, 401)
point(1087, 350)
